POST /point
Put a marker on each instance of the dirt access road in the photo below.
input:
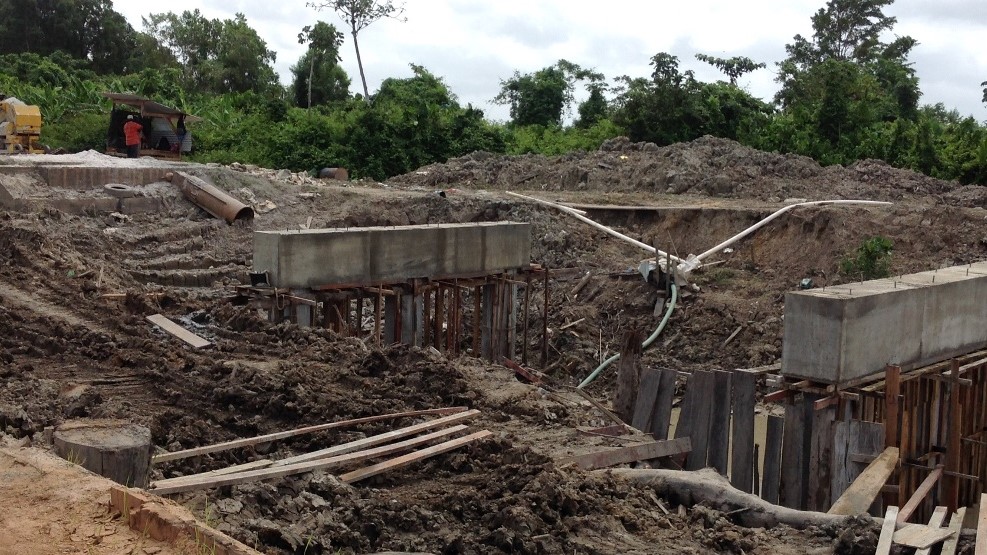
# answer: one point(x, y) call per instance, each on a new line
point(67, 351)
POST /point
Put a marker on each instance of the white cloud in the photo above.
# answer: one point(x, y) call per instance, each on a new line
point(474, 45)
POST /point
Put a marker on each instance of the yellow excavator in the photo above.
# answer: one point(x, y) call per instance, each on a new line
point(20, 127)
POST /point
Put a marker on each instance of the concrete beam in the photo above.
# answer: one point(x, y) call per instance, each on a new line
point(375, 255)
point(841, 333)
point(93, 178)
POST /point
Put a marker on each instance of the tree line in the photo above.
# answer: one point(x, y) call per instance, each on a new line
point(845, 94)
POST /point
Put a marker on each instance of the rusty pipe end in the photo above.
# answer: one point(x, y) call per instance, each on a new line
point(245, 213)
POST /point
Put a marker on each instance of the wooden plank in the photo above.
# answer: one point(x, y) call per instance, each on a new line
point(694, 419)
point(719, 429)
point(405, 460)
point(632, 453)
point(920, 494)
point(891, 391)
point(742, 459)
point(199, 482)
point(662, 417)
point(772, 459)
point(263, 463)
point(175, 455)
point(981, 545)
point(379, 439)
point(338, 460)
point(951, 484)
point(820, 458)
point(938, 517)
point(865, 489)
point(646, 395)
point(613, 417)
point(778, 396)
point(955, 526)
point(178, 331)
point(887, 532)
point(921, 536)
point(851, 439)
point(795, 453)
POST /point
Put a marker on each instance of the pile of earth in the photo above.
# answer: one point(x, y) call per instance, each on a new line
point(708, 166)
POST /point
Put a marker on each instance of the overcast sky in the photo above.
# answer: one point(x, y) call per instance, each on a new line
point(473, 45)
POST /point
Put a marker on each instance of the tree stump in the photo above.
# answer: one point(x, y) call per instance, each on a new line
point(116, 449)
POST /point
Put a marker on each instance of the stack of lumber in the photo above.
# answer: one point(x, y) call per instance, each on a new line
point(416, 442)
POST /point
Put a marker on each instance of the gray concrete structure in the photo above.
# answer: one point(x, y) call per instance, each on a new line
point(841, 333)
point(374, 255)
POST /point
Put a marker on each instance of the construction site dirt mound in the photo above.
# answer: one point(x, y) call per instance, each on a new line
point(75, 291)
point(708, 166)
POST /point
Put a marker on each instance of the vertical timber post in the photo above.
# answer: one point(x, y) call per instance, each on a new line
point(391, 325)
point(524, 314)
point(439, 315)
point(892, 388)
point(544, 327)
point(951, 482)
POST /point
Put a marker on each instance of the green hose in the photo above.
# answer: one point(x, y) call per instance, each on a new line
point(647, 342)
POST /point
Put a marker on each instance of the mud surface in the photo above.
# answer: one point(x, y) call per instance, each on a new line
point(75, 290)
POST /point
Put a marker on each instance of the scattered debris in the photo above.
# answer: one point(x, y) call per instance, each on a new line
point(181, 333)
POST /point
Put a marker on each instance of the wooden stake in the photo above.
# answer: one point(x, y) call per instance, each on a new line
point(951, 484)
point(920, 494)
point(544, 327)
point(378, 306)
point(955, 526)
point(527, 304)
point(887, 532)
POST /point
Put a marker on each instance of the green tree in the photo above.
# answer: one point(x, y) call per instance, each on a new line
point(358, 15)
point(318, 77)
point(216, 56)
point(544, 97)
point(595, 108)
point(734, 67)
point(844, 85)
point(665, 109)
point(89, 30)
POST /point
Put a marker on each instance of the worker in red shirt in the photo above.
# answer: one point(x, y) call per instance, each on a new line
point(132, 132)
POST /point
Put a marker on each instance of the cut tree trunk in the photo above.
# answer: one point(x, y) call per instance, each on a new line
point(115, 449)
point(714, 491)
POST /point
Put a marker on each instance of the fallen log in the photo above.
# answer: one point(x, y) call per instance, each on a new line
point(709, 488)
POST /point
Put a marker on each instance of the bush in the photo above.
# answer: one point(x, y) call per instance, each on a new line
point(83, 131)
point(872, 260)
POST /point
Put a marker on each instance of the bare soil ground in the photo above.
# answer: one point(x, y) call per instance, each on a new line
point(44, 517)
point(67, 352)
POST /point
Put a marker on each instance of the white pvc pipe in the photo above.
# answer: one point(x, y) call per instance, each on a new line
point(574, 213)
point(695, 261)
